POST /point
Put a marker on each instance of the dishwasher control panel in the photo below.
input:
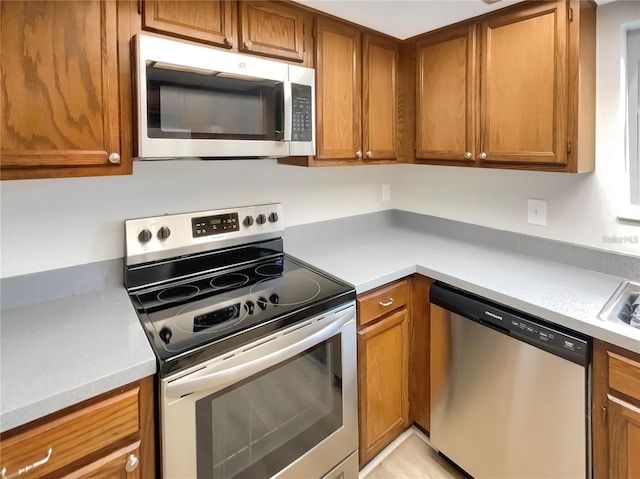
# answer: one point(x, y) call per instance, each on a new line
point(535, 331)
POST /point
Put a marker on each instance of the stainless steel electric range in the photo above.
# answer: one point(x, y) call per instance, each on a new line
point(256, 350)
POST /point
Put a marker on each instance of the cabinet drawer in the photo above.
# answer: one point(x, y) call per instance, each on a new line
point(73, 436)
point(382, 301)
point(624, 375)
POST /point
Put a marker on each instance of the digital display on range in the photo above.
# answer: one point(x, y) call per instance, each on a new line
point(214, 225)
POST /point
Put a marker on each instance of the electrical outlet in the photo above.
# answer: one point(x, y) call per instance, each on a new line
point(386, 192)
point(537, 212)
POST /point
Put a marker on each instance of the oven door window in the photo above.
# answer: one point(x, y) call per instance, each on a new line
point(257, 427)
point(212, 105)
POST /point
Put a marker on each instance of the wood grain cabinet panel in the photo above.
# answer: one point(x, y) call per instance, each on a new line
point(420, 350)
point(272, 29)
point(65, 89)
point(383, 349)
point(511, 89)
point(210, 21)
point(356, 96)
point(338, 91)
point(523, 86)
point(616, 412)
point(447, 76)
point(383, 300)
point(94, 439)
point(379, 98)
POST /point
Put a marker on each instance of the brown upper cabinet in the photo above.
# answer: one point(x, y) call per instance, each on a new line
point(447, 89)
point(65, 89)
point(210, 21)
point(514, 89)
point(272, 29)
point(356, 95)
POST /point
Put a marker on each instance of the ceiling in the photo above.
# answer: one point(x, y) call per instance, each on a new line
point(406, 18)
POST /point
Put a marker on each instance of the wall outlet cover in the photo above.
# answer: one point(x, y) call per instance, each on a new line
point(386, 192)
point(537, 212)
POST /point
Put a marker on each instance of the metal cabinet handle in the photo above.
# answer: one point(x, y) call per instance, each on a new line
point(19, 472)
point(359, 154)
point(132, 463)
point(248, 44)
point(369, 154)
point(114, 158)
point(483, 156)
point(388, 303)
point(228, 41)
point(468, 155)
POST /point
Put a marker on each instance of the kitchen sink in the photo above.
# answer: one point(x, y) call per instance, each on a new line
point(624, 305)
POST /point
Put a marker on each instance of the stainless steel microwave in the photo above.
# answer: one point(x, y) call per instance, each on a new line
point(196, 101)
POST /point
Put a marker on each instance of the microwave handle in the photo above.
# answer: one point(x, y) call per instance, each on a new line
point(220, 379)
point(287, 112)
point(279, 109)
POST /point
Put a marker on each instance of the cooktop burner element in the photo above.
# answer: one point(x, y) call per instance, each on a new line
point(198, 297)
point(178, 293)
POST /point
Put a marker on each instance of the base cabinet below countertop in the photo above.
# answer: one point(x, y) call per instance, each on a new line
point(110, 436)
point(616, 412)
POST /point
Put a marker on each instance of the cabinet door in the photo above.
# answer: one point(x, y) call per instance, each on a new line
point(121, 464)
point(446, 95)
point(523, 117)
point(60, 90)
point(383, 378)
point(379, 98)
point(210, 21)
point(338, 96)
point(624, 439)
point(272, 29)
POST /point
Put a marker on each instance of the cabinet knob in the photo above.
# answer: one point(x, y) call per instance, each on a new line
point(483, 156)
point(369, 154)
point(114, 158)
point(228, 41)
point(248, 44)
point(468, 155)
point(132, 463)
point(359, 154)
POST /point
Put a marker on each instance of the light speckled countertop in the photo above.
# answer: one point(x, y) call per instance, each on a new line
point(371, 250)
point(71, 334)
point(60, 352)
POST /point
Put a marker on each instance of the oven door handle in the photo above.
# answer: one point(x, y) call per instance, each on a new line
point(220, 379)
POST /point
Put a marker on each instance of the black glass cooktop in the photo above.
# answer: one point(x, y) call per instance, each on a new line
point(192, 320)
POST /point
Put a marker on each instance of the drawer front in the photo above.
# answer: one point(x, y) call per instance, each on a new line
point(73, 436)
point(382, 301)
point(624, 375)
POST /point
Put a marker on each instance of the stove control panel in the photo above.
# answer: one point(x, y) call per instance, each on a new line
point(215, 224)
point(162, 237)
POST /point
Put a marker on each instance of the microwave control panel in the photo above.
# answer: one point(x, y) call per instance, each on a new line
point(215, 224)
point(301, 112)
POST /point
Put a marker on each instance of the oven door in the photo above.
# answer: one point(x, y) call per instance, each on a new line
point(284, 406)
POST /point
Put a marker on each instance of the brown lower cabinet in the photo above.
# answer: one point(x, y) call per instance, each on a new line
point(393, 362)
point(616, 412)
point(110, 436)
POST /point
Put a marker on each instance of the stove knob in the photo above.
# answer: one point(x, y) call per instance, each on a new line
point(262, 302)
point(273, 217)
point(261, 219)
point(248, 220)
point(274, 298)
point(165, 335)
point(144, 236)
point(249, 307)
point(164, 233)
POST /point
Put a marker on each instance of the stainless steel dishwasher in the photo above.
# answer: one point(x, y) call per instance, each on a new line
point(509, 392)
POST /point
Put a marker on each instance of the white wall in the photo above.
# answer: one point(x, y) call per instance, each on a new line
point(581, 208)
point(48, 224)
